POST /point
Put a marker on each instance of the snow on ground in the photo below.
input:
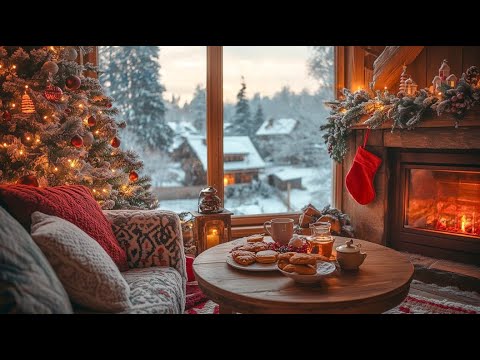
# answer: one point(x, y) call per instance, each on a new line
point(317, 183)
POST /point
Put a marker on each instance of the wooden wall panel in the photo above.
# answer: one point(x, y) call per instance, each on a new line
point(471, 56)
point(418, 71)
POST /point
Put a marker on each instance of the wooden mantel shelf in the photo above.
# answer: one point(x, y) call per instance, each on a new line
point(472, 118)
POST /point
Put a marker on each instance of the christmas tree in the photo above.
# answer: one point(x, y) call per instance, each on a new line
point(57, 127)
point(242, 120)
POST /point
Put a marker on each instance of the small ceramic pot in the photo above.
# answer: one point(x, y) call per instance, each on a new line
point(349, 256)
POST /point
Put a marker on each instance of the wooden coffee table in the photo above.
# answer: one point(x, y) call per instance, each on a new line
point(381, 283)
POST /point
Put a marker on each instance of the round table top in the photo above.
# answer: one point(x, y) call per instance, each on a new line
point(381, 283)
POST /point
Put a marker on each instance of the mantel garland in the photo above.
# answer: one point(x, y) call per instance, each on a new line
point(406, 111)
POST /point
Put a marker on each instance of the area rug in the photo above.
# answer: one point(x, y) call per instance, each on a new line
point(198, 303)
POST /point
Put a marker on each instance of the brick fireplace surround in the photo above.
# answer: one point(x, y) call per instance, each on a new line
point(436, 142)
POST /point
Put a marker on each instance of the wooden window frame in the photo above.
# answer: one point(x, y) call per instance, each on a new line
point(243, 225)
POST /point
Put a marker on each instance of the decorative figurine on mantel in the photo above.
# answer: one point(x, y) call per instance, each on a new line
point(443, 77)
point(407, 87)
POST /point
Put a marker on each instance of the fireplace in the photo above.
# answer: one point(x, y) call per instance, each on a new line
point(436, 204)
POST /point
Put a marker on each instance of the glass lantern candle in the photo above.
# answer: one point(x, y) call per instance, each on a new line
point(210, 230)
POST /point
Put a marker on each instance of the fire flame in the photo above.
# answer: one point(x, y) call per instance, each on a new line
point(464, 223)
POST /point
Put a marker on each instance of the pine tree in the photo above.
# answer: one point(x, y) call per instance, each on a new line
point(242, 121)
point(133, 79)
point(58, 127)
point(259, 118)
point(198, 108)
point(320, 65)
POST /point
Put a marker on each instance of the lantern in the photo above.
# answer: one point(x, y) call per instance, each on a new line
point(210, 230)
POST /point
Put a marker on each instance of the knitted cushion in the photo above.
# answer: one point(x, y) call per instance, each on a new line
point(73, 203)
point(28, 283)
point(84, 268)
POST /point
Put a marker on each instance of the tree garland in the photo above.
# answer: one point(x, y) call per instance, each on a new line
point(406, 111)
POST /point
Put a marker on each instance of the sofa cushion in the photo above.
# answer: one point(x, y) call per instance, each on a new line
point(155, 290)
point(86, 271)
point(28, 284)
point(73, 203)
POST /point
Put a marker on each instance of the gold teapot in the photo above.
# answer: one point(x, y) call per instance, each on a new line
point(208, 201)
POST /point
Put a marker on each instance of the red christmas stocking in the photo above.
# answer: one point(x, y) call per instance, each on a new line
point(359, 179)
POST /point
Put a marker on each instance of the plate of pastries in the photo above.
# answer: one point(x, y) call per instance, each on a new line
point(254, 255)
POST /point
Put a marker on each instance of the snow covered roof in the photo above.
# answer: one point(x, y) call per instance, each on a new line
point(182, 128)
point(231, 145)
point(277, 127)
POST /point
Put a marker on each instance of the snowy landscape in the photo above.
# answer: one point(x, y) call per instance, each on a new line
point(274, 157)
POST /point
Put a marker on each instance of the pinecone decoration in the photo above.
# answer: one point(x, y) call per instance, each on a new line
point(472, 75)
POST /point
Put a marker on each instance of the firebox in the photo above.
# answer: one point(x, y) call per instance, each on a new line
point(436, 204)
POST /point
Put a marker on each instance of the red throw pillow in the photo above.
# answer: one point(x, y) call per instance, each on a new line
point(73, 203)
point(190, 274)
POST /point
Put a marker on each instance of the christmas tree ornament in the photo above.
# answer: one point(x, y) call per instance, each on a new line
point(68, 111)
point(73, 82)
point(27, 104)
point(115, 142)
point(92, 121)
point(69, 53)
point(108, 105)
point(403, 78)
point(77, 141)
point(88, 139)
point(122, 125)
point(50, 67)
point(359, 179)
point(29, 180)
point(7, 116)
point(133, 176)
point(53, 93)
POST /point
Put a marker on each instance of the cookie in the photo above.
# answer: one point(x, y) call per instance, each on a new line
point(244, 258)
point(303, 259)
point(255, 238)
point(282, 263)
point(306, 269)
point(301, 269)
point(286, 256)
point(266, 256)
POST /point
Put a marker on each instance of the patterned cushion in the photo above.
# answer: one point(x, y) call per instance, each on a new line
point(73, 203)
point(89, 275)
point(150, 238)
point(28, 283)
point(155, 290)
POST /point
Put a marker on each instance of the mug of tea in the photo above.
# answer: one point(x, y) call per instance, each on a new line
point(281, 230)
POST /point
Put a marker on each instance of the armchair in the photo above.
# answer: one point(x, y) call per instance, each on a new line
point(152, 240)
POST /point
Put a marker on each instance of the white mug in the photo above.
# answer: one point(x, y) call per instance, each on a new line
point(282, 230)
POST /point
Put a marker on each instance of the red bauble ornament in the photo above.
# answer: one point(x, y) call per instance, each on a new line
point(7, 116)
point(68, 111)
point(53, 93)
point(133, 176)
point(115, 142)
point(92, 121)
point(76, 141)
point(73, 82)
point(30, 180)
point(108, 105)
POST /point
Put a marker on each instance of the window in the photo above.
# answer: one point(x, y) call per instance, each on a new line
point(273, 108)
point(274, 158)
point(160, 91)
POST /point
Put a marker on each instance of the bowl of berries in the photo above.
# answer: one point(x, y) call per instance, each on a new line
point(296, 244)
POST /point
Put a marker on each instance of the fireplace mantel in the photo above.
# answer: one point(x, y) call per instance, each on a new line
point(435, 134)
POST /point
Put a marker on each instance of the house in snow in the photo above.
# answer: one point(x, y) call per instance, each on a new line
point(274, 132)
point(242, 162)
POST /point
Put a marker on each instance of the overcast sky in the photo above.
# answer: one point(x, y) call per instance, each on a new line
point(266, 69)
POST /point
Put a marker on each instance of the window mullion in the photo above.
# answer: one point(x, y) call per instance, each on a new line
point(215, 118)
